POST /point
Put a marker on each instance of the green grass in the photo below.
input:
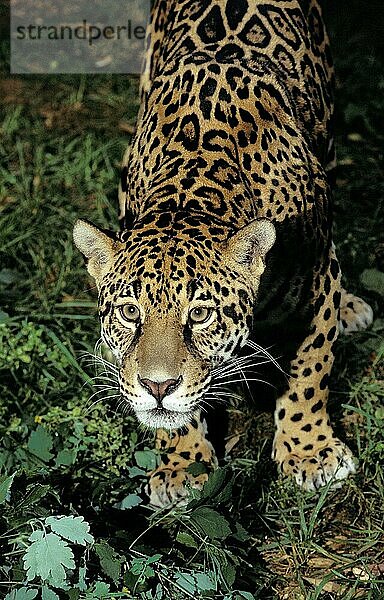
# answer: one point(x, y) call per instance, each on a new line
point(61, 142)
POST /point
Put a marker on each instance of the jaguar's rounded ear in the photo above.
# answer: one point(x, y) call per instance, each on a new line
point(250, 244)
point(97, 246)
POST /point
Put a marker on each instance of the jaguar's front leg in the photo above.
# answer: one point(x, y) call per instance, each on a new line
point(305, 445)
point(180, 448)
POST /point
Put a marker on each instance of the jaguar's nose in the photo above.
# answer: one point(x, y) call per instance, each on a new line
point(160, 389)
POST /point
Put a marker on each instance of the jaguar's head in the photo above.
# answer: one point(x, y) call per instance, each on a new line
point(172, 309)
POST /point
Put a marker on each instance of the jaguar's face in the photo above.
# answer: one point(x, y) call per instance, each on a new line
point(170, 331)
point(171, 312)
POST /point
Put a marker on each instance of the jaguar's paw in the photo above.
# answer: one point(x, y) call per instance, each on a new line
point(330, 463)
point(168, 487)
point(355, 314)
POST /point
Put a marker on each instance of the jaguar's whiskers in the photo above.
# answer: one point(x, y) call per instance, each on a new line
point(107, 379)
point(236, 370)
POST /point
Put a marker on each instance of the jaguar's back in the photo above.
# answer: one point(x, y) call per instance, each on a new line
point(219, 67)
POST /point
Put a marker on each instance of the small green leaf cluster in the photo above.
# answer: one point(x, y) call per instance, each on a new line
point(61, 556)
point(49, 560)
point(30, 360)
point(20, 345)
point(66, 439)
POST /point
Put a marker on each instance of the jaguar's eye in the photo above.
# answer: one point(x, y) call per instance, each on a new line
point(130, 312)
point(200, 314)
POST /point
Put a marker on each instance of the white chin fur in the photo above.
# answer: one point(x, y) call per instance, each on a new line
point(163, 419)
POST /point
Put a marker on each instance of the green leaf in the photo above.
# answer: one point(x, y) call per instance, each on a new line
point(141, 566)
point(228, 572)
point(197, 468)
point(205, 581)
point(98, 591)
point(153, 559)
point(211, 523)
point(82, 585)
point(74, 529)
point(66, 457)
point(21, 594)
point(48, 594)
point(47, 557)
point(40, 443)
point(219, 486)
point(3, 316)
point(187, 582)
point(110, 560)
point(146, 459)
point(186, 539)
point(215, 483)
point(5, 487)
point(373, 279)
point(135, 472)
point(196, 582)
point(128, 502)
point(223, 561)
point(241, 534)
point(8, 276)
point(34, 493)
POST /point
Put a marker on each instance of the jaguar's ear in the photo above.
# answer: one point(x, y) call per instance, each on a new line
point(96, 246)
point(249, 245)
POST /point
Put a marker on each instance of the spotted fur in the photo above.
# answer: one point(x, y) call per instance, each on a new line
point(226, 214)
point(169, 483)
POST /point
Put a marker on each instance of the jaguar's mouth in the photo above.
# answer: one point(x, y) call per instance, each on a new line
point(161, 417)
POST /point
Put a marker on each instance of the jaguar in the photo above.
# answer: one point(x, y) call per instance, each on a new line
point(225, 246)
